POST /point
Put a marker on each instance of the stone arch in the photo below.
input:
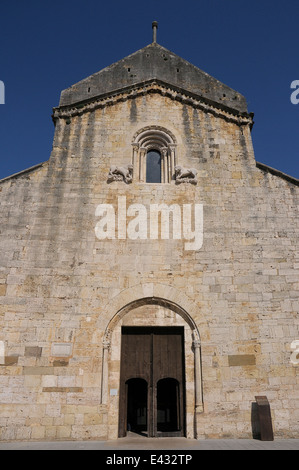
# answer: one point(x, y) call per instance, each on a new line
point(126, 302)
point(153, 136)
point(150, 301)
point(152, 293)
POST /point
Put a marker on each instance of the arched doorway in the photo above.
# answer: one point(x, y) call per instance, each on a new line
point(145, 305)
point(169, 409)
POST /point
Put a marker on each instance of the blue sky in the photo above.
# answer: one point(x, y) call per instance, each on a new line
point(46, 46)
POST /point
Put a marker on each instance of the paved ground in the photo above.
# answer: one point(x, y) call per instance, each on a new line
point(134, 442)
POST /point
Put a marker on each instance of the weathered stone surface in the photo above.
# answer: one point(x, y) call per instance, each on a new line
point(153, 61)
point(9, 361)
point(241, 360)
point(63, 389)
point(61, 285)
point(33, 351)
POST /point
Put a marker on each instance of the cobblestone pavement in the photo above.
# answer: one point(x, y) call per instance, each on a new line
point(137, 443)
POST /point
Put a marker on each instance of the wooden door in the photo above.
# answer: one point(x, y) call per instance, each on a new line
point(155, 356)
point(136, 363)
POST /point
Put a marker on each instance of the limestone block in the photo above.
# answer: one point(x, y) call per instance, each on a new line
point(33, 351)
point(38, 432)
point(64, 432)
point(23, 433)
point(38, 370)
point(32, 381)
point(51, 432)
point(93, 419)
point(3, 288)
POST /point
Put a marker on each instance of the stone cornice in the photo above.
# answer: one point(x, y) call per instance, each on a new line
point(149, 87)
point(272, 171)
point(24, 172)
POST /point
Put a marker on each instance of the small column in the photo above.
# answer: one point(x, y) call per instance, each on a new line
point(198, 377)
point(104, 390)
point(2, 353)
point(169, 167)
point(135, 162)
point(172, 162)
point(142, 169)
point(164, 165)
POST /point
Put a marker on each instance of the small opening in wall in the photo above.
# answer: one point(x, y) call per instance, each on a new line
point(177, 70)
point(88, 90)
point(153, 167)
point(129, 70)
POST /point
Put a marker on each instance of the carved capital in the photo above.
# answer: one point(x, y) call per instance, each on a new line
point(196, 344)
point(106, 343)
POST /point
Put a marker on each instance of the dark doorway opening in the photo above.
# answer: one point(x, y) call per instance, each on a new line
point(168, 406)
point(137, 406)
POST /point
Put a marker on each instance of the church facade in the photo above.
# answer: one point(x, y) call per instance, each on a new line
point(149, 270)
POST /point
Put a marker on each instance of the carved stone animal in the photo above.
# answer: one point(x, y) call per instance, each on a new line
point(185, 175)
point(120, 173)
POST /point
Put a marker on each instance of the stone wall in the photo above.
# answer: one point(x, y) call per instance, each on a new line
point(60, 287)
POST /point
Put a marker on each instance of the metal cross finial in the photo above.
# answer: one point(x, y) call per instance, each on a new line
point(155, 27)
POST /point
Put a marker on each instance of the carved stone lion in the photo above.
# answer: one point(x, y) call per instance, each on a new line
point(185, 175)
point(120, 173)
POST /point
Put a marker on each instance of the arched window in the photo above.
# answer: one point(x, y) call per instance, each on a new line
point(154, 157)
point(153, 166)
